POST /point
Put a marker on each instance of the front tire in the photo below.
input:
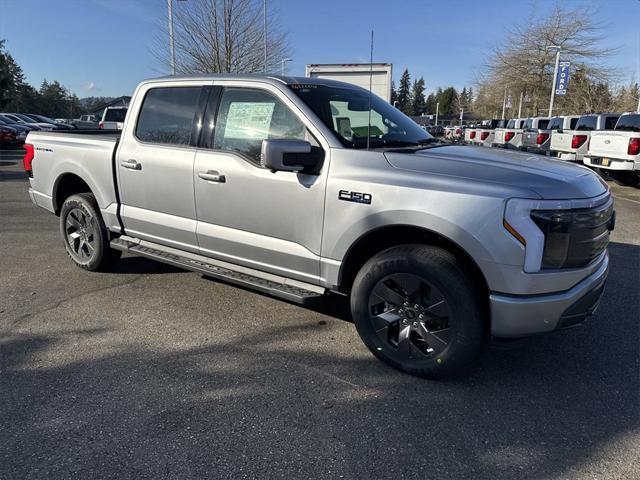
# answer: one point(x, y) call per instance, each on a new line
point(84, 234)
point(416, 309)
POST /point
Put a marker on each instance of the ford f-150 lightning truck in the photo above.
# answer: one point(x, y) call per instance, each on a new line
point(301, 186)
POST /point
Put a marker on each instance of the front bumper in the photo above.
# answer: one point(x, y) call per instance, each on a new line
point(611, 164)
point(521, 315)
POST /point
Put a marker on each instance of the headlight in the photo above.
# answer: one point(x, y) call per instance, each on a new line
point(559, 233)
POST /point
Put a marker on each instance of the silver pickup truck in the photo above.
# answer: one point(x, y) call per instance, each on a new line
point(297, 187)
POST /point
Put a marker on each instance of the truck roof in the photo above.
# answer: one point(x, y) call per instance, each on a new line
point(273, 79)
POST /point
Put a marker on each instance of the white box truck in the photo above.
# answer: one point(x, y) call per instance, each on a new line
point(357, 74)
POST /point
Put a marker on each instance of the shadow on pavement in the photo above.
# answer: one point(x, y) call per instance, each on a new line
point(270, 403)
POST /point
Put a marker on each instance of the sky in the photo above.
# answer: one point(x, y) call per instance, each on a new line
point(104, 47)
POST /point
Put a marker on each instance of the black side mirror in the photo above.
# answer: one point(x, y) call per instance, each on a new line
point(290, 155)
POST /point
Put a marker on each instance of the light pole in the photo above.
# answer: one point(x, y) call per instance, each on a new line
point(437, 111)
point(557, 48)
point(171, 44)
point(171, 47)
point(283, 61)
point(520, 106)
point(264, 12)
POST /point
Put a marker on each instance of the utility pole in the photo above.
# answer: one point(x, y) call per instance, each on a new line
point(504, 103)
point(437, 111)
point(461, 115)
point(264, 11)
point(171, 46)
point(555, 76)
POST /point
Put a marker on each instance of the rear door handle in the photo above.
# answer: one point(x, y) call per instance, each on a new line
point(212, 176)
point(131, 164)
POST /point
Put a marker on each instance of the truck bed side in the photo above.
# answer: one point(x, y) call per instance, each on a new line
point(64, 160)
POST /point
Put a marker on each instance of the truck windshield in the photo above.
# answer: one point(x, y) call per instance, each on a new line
point(346, 112)
point(629, 123)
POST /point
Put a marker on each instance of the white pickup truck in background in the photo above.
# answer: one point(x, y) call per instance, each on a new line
point(511, 135)
point(572, 143)
point(617, 149)
point(113, 118)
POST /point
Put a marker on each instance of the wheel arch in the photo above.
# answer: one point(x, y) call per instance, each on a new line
point(379, 239)
point(66, 185)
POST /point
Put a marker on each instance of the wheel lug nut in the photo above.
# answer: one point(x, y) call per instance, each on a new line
point(400, 311)
point(421, 316)
point(415, 324)
point(405, 321)
point(406, 304)
point(416, 306)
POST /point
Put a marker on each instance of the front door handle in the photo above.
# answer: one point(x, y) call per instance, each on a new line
point(131, 164)
point(212, 176)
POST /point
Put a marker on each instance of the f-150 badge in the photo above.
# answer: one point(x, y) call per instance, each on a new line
point(357, 197)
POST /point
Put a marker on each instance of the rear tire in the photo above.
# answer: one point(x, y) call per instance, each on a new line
point(415, 308)
point(84, 234)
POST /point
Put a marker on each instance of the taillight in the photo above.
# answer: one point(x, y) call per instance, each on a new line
point(634, 146)
point(578, 140)
point(542, 137)
point(508, 136)
point(457, 131)
point(28, 158)
point(472, 134)
point(484, 135)
point(100, 125)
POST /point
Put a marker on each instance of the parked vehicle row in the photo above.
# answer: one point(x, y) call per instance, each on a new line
point(609, 141)
point(14, 127)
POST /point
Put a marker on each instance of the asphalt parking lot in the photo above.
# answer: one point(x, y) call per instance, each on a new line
point(154, 372)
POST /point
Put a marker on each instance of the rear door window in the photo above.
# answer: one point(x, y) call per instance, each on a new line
point(167, 115)
point(586, 123)
point(543, 124)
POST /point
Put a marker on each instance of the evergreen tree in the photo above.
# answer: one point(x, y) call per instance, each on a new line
point(394, 93)
point(404, 93)
point(419, 104)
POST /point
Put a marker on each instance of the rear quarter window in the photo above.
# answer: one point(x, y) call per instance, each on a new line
point(573, 123)
point(167, 115)
point(543, 124)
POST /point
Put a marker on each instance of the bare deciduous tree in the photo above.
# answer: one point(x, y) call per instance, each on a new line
point(220, 36)
point(523, 63)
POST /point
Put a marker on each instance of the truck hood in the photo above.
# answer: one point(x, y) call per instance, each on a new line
point(549, 179)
